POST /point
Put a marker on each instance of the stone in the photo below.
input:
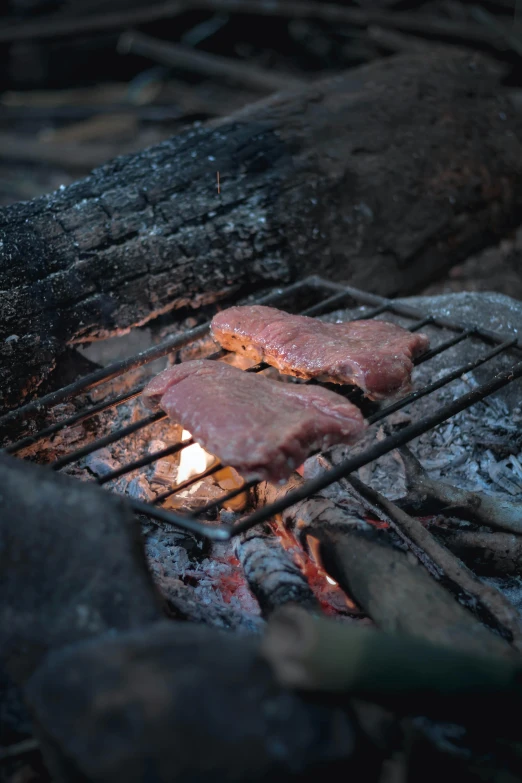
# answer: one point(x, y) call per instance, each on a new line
point(179, 702)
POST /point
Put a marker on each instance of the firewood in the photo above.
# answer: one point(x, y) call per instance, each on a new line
point(384, 177)
point(489, 554)
point(442, 563)
point(483, 509)
point(398, 594)
point(273, 576)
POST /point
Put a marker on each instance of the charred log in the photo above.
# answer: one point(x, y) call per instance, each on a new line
point(394, 590)
point(383, 177)
point(273, 576)
point(489, 554)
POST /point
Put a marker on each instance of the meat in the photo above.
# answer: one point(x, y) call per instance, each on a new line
point(374, 355)
point(263, 428)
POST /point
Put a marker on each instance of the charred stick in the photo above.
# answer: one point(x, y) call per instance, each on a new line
point(58, 25)
point(69, 155)
point(489, 554)
point(443, 564)
point(432, 26)
point(483, 509)
point(19, 749)
point(177, 55)
point(410, 675)
point(394, 591)
point(273, 576)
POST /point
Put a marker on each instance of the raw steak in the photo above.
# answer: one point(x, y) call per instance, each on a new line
point(374, 355)
point(263, 428)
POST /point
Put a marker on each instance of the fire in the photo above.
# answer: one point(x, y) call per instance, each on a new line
point(193, 461)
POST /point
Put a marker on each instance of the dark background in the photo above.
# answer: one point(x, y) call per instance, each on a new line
point(71, 97)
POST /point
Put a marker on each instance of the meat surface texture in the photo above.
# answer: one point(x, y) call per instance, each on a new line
point(263, 428)
point(375, 355)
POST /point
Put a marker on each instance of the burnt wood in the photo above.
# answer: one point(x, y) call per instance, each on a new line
point(382, 177)
point(273, 576)
point(389, 584)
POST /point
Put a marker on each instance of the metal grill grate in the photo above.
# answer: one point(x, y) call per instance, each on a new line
point(331, 295)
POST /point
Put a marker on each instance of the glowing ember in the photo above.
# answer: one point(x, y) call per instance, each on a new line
point(193, 461)
point(330, 580)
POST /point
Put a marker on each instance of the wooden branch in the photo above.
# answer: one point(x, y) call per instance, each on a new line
point(423, 24)
point(273, 576)
point(481, 508)
point(341, 177)
point(481, 597)
point(68, 155)
point(398, 594)
point(59, 25)
point(490, 554)
point(250, 76)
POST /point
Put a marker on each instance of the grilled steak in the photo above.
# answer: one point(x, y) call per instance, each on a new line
point(263, 428)
point(374, 355)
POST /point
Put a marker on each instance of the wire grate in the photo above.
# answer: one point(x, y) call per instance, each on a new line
point(331, 296)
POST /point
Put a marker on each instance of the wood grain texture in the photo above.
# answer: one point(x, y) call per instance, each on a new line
point(382, 177)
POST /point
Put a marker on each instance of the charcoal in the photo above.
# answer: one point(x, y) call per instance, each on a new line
point(177, 702)
point(273, 576)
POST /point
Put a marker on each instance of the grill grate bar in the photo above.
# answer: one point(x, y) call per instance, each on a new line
point(112, 437)
point(76, 418)
point(428, 319)
point(379, 449)
point(188, 483)
point(229, 496)
point(325, 304)
point(448, 378)
point(104, 374)
point(444, 346)
point(371, 313)
point(144, 461)
point(183, 521)
point(84, 415)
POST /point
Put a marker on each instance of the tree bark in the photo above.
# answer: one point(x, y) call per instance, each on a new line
point(383, 177)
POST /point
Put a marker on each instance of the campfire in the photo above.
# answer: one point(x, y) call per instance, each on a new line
point(175, 485)
point(334, 539)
